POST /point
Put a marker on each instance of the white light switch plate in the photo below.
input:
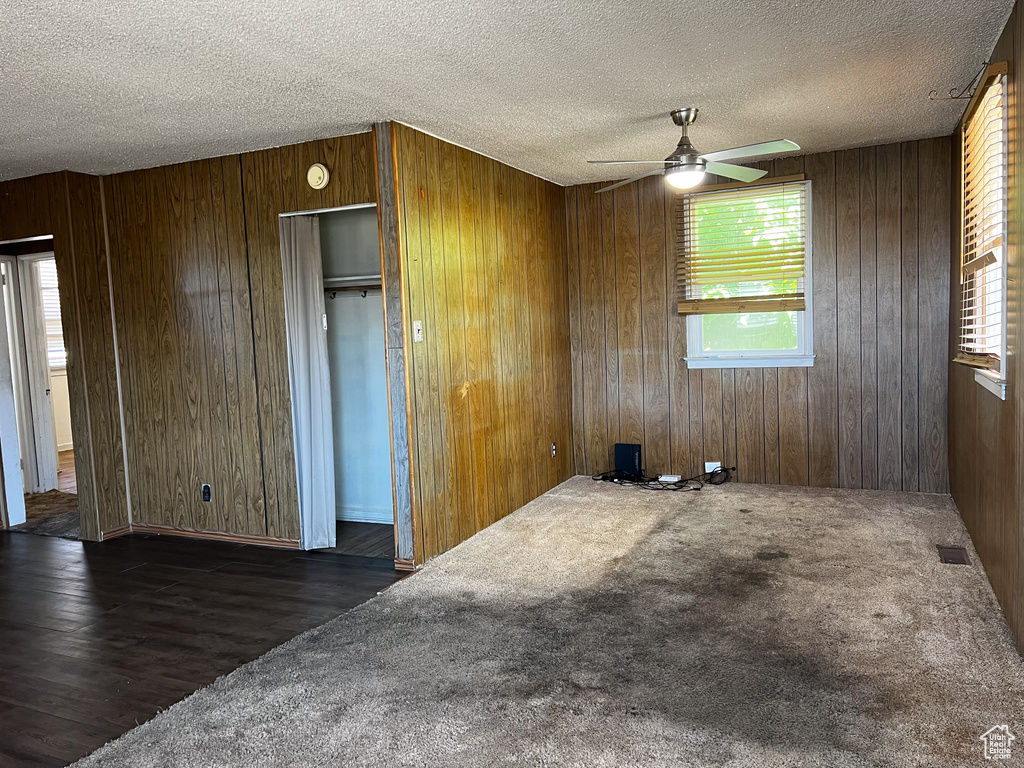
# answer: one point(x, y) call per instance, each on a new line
point(417, 330)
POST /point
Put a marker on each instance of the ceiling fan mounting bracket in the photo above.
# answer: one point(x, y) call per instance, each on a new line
point(684, 151)
point(684, 117)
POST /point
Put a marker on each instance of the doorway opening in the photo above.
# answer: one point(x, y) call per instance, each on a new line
point(334, 306)
point(354, 304)
point(42, 403)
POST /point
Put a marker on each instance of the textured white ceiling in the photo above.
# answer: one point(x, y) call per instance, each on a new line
point(99, 86)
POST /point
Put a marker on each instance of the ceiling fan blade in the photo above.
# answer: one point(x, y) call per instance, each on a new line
point(737, 172)
point(753, 150)
point(623, 162)
point(630, 180)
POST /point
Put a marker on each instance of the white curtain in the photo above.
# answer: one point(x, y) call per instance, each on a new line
point(310, 378)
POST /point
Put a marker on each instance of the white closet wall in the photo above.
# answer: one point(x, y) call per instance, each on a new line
point(355, 342)
point(362, 457)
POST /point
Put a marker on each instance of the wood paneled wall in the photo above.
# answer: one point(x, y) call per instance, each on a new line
point(274, 182)
point(70, 206)
point(986, 434)
point(483, 256)
point(185, 336)
point(870, 413)
point(547, 317)
point(199, 305)
point(90, 294)
point(187, 311)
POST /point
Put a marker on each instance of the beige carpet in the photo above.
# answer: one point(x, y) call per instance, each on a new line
point(608, 626)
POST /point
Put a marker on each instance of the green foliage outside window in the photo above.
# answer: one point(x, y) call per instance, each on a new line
point(763, 226)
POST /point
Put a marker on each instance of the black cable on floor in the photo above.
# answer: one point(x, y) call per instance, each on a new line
point(695, 483)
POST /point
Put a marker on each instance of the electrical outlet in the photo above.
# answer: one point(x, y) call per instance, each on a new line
point(711, 466)
point(207, 492)
point(417, 330)
point(553, 450)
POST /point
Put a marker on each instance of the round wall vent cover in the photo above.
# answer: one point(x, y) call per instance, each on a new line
point(317, 176)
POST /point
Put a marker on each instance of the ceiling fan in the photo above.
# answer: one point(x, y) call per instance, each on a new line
point(685, 167)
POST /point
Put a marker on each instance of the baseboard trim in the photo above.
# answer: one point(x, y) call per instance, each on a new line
point(405, 564)
point(237, 538)
point(376, 517)
point(121, 530)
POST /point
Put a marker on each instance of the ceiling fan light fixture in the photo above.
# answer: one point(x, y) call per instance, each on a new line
point(685, 168)
point(685, 176)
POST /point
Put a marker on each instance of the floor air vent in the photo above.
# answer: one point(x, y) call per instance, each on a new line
point(953, 555)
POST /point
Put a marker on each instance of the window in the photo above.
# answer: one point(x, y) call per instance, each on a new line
point(982, 343)
point(55, 353)
point(744, 276)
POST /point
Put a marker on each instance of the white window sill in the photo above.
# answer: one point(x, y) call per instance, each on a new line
point(992, 383)
point(751, 361)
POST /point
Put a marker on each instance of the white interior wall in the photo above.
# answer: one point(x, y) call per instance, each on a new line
point(61, 408)
point(362, 457)
point(350, 242)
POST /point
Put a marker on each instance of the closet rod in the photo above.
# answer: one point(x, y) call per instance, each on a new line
point(338, 282)
point(337, 288)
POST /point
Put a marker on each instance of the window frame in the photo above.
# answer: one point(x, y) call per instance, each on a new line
point(992, 380)
point(803, 355)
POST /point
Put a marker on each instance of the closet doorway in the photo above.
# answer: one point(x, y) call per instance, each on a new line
point(357, 446)
point(354, 304)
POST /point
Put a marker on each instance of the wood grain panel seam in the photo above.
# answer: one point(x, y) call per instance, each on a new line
point(254, 335)
point(117, 355)
point(81, 347)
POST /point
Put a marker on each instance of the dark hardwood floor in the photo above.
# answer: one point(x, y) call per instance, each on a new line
point(366, 539)
point(97, 637)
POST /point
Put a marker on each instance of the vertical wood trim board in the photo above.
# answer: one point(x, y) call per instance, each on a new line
point(395, 341)
point(484, 262)
point(858, 418)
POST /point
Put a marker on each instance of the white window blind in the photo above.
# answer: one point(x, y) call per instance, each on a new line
point(743, 249)
point(983, 227)
point(51, 313)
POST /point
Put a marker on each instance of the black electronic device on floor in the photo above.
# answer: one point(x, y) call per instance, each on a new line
point(627, 460)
